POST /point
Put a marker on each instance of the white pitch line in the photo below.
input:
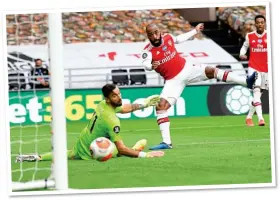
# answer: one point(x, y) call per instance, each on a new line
point(180, 128)
point(223, 142)
point(145, 130)
point(215, 143)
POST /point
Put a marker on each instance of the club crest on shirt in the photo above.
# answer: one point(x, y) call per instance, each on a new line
point(164, 48)
point(117, 129)
point(144, 55)
point(259, 40)
point(169, 42)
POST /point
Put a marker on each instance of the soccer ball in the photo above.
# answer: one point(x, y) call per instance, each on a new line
point(238, 100)
point(102, 149)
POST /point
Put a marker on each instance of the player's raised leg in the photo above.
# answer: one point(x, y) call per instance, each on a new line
point(229, 76)
point(251, 82)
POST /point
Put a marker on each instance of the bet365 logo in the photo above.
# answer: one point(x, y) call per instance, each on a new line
point(238, 100)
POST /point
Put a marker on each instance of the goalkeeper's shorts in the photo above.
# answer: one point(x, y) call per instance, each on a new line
point(79, 152)
point(73, 154)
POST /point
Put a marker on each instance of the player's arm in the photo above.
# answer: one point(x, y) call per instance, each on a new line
point(244, 48)
point(124, 150)
point(127, 108)
point(186, 36)
point(150, 101)
point(147, 59)
point(114, 133)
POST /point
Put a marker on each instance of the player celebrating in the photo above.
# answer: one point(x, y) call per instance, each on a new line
point(161, 55)
point(257, 41)
point(105, 123)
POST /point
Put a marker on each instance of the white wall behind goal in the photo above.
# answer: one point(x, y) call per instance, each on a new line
point(90, 64)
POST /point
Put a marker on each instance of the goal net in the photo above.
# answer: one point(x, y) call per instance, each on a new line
point(36, 100)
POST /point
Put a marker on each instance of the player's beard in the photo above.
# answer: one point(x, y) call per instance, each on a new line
point(156, 44)
point(117, 104)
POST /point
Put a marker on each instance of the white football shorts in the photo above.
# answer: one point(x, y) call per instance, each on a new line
point(191, 73)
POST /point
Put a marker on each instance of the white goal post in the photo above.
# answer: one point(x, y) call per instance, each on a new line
point(58, 97)
point(59, 171)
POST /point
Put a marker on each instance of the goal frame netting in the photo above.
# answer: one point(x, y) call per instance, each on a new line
point(59, 170)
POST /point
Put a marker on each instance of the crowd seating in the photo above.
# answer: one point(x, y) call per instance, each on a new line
point(24, 29)
point(118, 26)
point(110, 26)
point(241, 19)
point(129, 26)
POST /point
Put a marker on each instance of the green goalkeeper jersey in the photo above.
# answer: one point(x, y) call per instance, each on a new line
point(103, 123)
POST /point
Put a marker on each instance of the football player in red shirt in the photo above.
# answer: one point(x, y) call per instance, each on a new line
point(257, 42)
point(162, 56)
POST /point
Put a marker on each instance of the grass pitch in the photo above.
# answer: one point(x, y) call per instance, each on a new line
point(207, 151)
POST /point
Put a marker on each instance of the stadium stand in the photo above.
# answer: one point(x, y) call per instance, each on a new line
point(124, 26)
point(240, 19)
point(232, 25)
point(113, 26)
point(227, 31)
point(25, 29)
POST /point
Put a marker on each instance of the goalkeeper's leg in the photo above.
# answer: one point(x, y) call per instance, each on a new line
point(49, 156)
point(44, 157)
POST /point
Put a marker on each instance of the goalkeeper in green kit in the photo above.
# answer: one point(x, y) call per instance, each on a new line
point(105, 123)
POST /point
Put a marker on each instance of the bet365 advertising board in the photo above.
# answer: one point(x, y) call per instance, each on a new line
point(203, 100)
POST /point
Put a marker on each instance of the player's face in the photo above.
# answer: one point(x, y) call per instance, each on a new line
point(260, 24)
point(154, 36)
point(115, 98)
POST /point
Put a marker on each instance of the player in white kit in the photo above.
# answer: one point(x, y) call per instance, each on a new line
point(161, 55)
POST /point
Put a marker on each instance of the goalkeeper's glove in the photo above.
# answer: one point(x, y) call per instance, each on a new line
point(151, 154)
point(151, 101)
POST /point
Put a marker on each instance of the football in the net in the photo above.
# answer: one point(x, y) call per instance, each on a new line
point(102, 149)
